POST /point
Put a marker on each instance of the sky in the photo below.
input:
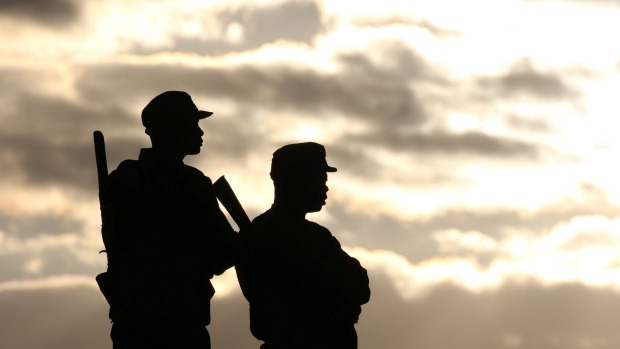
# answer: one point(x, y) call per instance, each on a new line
point(476, 146)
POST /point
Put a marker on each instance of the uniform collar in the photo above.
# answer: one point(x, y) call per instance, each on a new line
point(153, 161)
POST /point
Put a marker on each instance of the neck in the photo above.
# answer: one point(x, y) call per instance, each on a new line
point(168, 157)
point(291, 209)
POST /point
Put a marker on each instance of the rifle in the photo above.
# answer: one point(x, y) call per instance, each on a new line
point(227, 197)
point(102, 177)
point(103, 280)
point(102, 162)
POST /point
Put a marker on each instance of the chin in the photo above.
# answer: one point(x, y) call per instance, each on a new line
point(316, 208)
point(194, 151)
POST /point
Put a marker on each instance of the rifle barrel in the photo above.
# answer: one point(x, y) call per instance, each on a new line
point(100, 157)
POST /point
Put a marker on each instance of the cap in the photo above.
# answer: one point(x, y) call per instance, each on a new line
point(163, 109)
point(293, 160)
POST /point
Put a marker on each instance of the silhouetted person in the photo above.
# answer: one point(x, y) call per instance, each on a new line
point(164, 234)
point(304, 290)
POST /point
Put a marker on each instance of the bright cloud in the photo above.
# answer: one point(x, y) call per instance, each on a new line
point(583, 250)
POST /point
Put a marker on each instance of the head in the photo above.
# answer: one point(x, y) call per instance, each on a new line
point(299, 173)
point(171, 121)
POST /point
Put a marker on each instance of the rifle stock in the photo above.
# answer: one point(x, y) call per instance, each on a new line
point(227, 197)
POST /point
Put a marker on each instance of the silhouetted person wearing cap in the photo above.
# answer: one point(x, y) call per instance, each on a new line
point(164, 234)
point(304, 290)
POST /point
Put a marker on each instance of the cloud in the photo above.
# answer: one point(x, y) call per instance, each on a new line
point(61, 116)
point(536, 125)
point(46, 162)
point(69, 318)
point(16, 81)
point(54, 13)
point(245, 27)
point(453, 241)
point(412, 236)
point(492, 221)
point(38, 224)
point(448, 317)
point(444, 143)
point(356, 161)
point(476, 249)
point(50, 256)
point(515, 316)
point(298, 21)
point(49, 283)
point(48, 140)
point(406, 21)
point(581, 251)
point(359, 91)
point(525, 81)
point(390, 59)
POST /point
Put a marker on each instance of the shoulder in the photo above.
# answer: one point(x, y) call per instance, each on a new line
point(195, 174)
point(318, 229)
point(264, 226)
point(192, 171)
point(263, 218)
point(128, 174)
point(264, 222)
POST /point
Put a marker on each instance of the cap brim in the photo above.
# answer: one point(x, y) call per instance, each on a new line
point(203, 114)
point(330, 169)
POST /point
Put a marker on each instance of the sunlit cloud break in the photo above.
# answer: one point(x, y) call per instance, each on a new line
point(52, 282)
point(584, 250)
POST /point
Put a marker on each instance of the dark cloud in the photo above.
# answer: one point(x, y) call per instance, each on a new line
point(65, 261)
point(32, 226)
point(538, 125)
point(231, 137)
point(298, 21)
point(47, 161)
point(445, 143)
point(378, 96)
point(398, 62)
point(295, 21)
point(50, 259)
point(353, 159)
point(378, 231)
point(493, 221)
point(13, 266)
point(55, 13)
point(73, 318)
point(361, 90)
point(57, 117)
point(48, 141)
point(77, 318)
point(526, 81)
point(526, 316)
point(16, 81)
